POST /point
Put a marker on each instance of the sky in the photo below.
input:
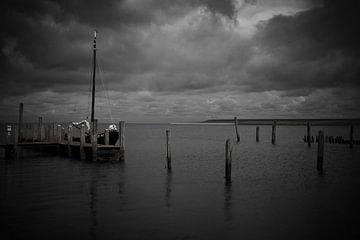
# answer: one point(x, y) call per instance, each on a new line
point(180, 60)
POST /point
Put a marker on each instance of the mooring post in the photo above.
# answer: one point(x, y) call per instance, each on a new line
point(320, 153)
point(257, 134)
point(35, 132)
point(227, 160)
point(54, 138)
point(168, 150)
point(16, 141)
point(58, 131)
point(94, 139)
point(106, 136)
point(273, 133)
point(308, 133)
point(236, 129)
point(8, 130)
point(351, 135)
point(69, 140)
point(21, 112)
point(121, 141)
point(40, 129)
point(82, 142)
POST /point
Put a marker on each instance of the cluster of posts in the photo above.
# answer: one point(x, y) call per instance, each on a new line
point(320, 142)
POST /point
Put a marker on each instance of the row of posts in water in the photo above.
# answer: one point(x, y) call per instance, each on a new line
point(320, 139)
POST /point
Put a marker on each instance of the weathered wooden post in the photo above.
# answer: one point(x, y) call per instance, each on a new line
point(40, 128)
point(54, 135)
point(8, 133)
point(82, 142)
point(273, 133)
point(21, 112)
point(94, 139)
point(69, 140)
point(35, 132)
point(320, 153)
point(168, 150)
point(227, 160)
point(236, 129)
point(16, 141)
point(106, 136)
point(257, 134)
point(308, 133)
point(351, 135)
point(121, 140)
point(58, 133)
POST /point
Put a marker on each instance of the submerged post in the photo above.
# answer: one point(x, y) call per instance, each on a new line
point(236, 129)
point(94, 139)
point(257, 134)
point(308, 134)
point(227, 160)
point(121, 141)
point(351, 135)
point(21, 112)
point(40, 129)
point(320, 153)
point(69, 140)
point(273, 133)
point(168, 150)
point(82, 142)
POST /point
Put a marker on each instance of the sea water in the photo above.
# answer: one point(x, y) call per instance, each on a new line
point(276, 191)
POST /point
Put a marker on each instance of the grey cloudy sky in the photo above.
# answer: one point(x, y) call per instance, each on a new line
point(181, 60)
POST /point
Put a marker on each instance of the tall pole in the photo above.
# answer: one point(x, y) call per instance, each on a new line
point(93, 83)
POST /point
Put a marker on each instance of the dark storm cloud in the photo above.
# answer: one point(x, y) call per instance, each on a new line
point(184, 58)
point(313, 49)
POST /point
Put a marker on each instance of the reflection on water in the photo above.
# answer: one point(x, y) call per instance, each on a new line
point(275, 189)
point(228, 200)
point(168, 188)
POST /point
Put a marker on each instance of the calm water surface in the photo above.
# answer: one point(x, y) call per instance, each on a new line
point(276, 191)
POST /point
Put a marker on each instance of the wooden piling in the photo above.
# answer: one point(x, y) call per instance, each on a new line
point(39, 137)
point(82, 142)
point(227, 160)
point(54, 135)
point(236, 129)
point(351, 142)
point(20, 123)
point(121, 140)
point(257, 134)
point(308, 133)
point(69, 140)
point(106, 136)
point(16, 141)
point(58, 133)
point(168, 150)
point(273, 133)
point(8, 130)
point(320, 152)
point(94, 139)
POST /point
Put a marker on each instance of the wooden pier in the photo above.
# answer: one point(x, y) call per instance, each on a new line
point(61, 139)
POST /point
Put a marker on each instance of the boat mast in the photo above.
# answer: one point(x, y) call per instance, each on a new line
point(93, 82)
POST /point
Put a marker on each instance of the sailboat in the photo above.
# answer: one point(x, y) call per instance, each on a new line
point(113, 132)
